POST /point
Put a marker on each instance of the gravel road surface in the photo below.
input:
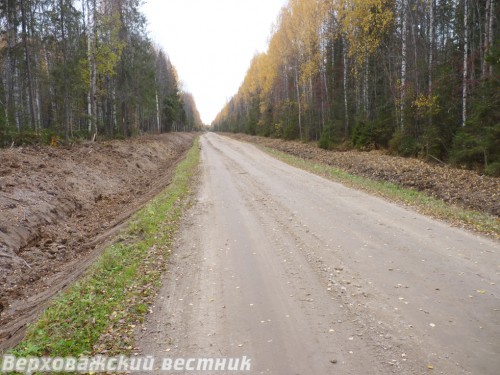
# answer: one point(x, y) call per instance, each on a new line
point(306, 276)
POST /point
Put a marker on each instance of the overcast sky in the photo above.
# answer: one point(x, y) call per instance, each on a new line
point(211, 43)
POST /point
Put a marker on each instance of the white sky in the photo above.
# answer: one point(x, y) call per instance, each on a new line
point(211, 43)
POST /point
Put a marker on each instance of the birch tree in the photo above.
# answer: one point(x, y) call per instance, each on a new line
point(465, 73)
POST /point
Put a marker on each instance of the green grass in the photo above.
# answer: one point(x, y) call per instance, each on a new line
point(422, 202)
point(98, 314)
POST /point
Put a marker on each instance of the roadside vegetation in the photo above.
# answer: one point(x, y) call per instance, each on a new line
point(422, 202)
point(73, 70)
point(419, 78)
point(100, 312)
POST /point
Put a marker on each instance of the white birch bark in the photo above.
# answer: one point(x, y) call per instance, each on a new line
point(346, 104)
point(298, 100)
point(157, 113)
point(403, 60)
point(490, 31)
point(431, 42)
point(466, 64)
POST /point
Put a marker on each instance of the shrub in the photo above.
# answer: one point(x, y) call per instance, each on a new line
point(493, 169)
point(403, 144)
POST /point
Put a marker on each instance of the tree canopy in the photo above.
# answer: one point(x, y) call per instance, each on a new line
point(418, 77)
point(85, 68)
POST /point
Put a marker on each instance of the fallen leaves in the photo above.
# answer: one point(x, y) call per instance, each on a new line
point(462, 187)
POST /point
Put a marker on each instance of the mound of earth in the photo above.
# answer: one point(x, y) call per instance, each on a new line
point(465, 188)
point(58, 204)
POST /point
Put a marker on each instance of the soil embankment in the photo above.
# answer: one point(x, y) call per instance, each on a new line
point(57, 205)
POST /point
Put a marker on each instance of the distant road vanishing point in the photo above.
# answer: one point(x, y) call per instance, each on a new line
point(306, 276)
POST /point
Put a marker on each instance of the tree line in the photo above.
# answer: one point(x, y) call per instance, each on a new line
point(420, 77)
point(83, 69)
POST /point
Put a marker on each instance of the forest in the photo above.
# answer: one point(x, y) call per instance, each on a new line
point(416, 77)
point(83, 69)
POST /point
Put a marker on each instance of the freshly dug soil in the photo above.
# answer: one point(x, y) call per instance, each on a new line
point(57, 205)
point(465, 188)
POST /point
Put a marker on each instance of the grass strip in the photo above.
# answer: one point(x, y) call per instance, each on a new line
point(423, 203)
point(98, 314)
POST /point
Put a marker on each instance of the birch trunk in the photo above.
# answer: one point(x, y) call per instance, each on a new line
point(86, 28)
point(158, 113)
point(91, 46)
point(403, 61)
point(365, 88)
point(298, 100)
point(466, 65)
point(490, 32)
point(12, 82)
point(27, 57)
point(346, 104)
point(431, 42)
point(66, 91)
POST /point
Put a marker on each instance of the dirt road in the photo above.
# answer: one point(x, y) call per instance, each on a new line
point(465, 188)
point(306, 276)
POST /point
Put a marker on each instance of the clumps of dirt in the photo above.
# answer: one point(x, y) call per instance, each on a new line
point(465, 188)
point(56, 204)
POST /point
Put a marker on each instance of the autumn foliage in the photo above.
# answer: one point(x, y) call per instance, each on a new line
point(418, 77)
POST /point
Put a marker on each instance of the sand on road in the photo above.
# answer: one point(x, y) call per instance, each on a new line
point(305, 276)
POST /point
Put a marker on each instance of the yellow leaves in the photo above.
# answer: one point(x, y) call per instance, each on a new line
point(109, 50)
point(299, 45)
point(297, 37)
point(83, 67)
point(305, 24)
point(294, 52)
point(365, 23)
point(107, 56)
point(54, 141)
point(260, 76)
point(425, 101)
point(105, 50)
point(309, 68)
point(426, 105)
